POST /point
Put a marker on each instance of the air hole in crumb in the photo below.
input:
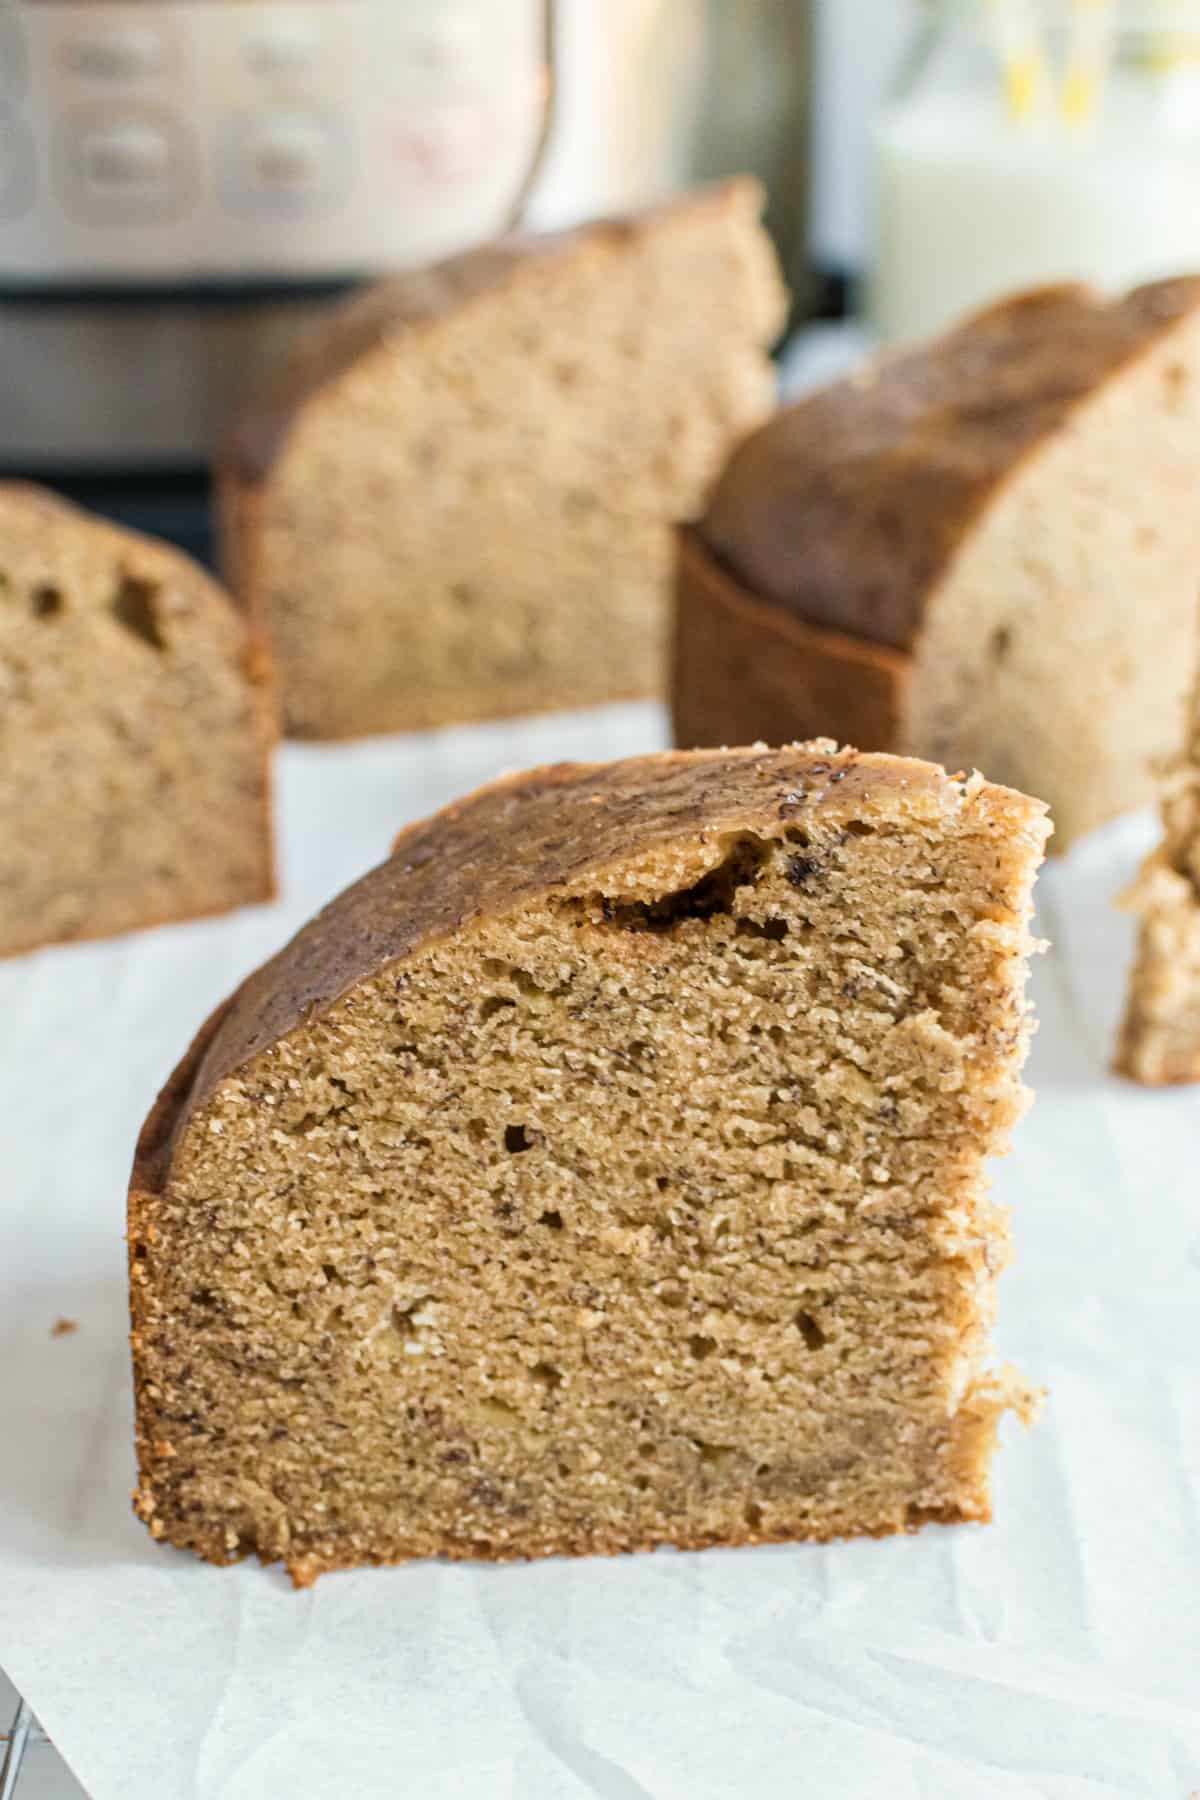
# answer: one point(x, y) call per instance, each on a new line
point(497, 1003)
point(662, 1183)
point(477, 1130)
point(303, 1126)
point(547, 1375)
point(701, 1347)
point(951, 919)
point(718, 1454)
point(329, 1272)
point(641, 1482)
point(859, 828)
point(810, 1331)
point(794, 835)
point(47, 601)
point(564, 1470)
point(1000, 643)
point(134, 606)
point(763, 1469)
point(647, 1450)
point(773, 929)
point(753, 1514)
point(516, 1139)
point(552, 1218)
point(498, 1412)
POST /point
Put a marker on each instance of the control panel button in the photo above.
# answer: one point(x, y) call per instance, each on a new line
point(127, 157)
point(288, 156)
point(445, 46)
point(284, 48)
point(286, 162)
point(118, 54)
point(124, 166)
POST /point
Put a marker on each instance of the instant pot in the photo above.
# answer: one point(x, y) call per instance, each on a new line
point(184, 182)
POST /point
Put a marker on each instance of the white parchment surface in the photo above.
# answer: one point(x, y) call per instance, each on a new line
point(1054, 1653)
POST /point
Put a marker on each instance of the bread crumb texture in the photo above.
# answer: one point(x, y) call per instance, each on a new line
point(136, 722)
point(606, 1170)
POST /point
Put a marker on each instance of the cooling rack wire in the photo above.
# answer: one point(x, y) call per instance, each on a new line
point(23, 1734)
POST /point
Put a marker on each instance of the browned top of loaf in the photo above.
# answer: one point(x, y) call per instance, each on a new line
point(420, 297)
point(522, 838)
point(847, 507)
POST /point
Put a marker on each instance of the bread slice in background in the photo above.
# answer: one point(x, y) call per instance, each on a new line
point(984, 550)
point(1160, 1035)
point(454, 502)
point(136, 724)
point(606, 1169)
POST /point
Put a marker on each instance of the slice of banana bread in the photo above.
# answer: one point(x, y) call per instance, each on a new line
point(1160, 1036)
point(136, 723)
point(982, 550)
point(455, 502)
point(605, 1170)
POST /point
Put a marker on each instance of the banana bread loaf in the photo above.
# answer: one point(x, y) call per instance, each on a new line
point(136, 722)
point(1160, 1036)
point(983, 550)
point(604, 1170)
point(456, 501)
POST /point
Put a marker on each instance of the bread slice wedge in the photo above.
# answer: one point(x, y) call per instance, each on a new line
point(455, 502)
point(137, 718)
point(605, 1170)
point(1160, 1034)
point(981, 549)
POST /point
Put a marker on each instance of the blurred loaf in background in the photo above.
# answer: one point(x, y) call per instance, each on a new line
point(136, 722)
point(1160, 1034)
point(983, 550)
point(455, 501)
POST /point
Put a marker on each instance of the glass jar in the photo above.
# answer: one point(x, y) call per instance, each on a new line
point(1028, 143)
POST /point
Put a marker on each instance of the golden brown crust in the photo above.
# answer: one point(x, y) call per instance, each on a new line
point(303, 1571)
point(847, 507)
point(417, 298)
point(508, 843)
point(744, 668)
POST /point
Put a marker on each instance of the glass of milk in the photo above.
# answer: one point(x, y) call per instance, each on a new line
point(1032, 141)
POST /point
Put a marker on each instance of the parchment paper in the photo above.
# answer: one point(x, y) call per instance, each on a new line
point(1054, 1653)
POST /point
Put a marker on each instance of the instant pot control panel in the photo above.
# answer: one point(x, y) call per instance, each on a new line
point(234, 139)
